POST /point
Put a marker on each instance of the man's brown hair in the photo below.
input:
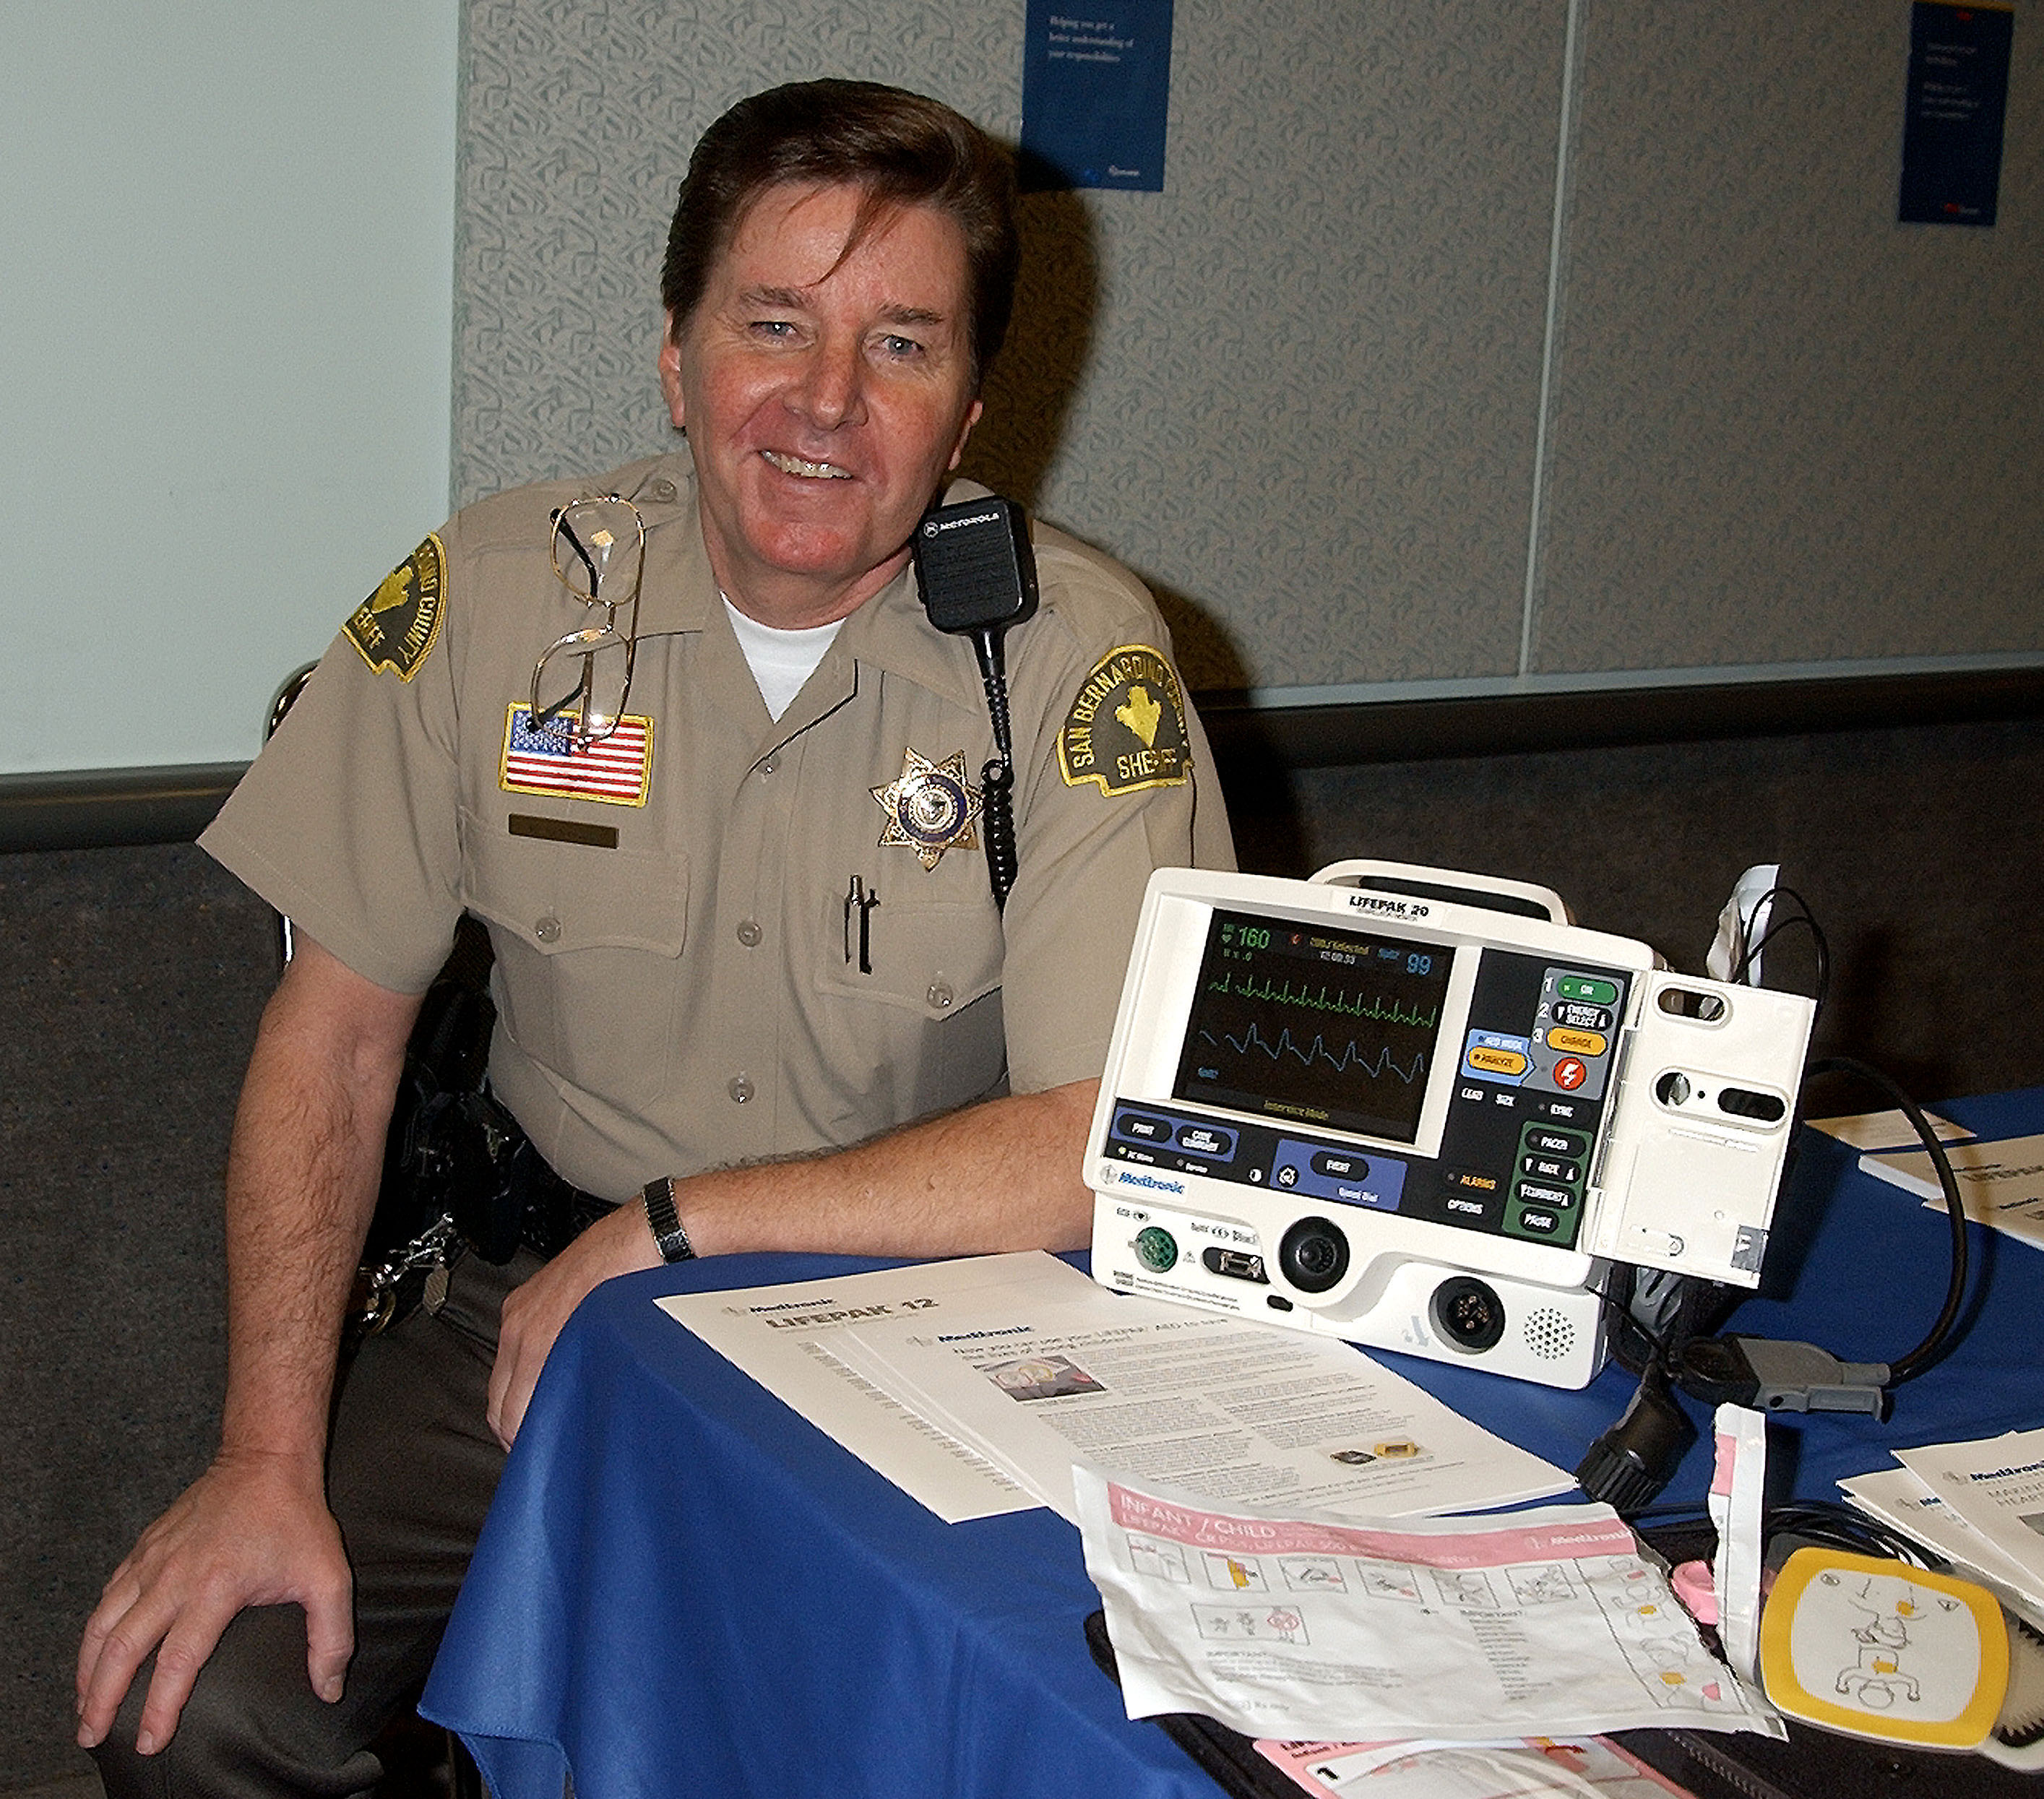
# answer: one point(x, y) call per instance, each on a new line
point(900, 148)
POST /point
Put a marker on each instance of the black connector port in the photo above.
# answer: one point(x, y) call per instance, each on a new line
point(1469, 1313)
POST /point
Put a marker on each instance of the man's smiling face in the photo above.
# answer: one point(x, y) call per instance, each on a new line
point(825, 395)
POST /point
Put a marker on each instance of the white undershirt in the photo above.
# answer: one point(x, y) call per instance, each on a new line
point(781, 661)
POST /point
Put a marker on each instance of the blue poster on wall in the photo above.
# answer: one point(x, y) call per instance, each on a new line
point(1958, 100)
point(1096, 82)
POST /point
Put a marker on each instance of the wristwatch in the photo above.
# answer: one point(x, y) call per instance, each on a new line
point(665, 1222)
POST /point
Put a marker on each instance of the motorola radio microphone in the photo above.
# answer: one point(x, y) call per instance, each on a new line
point(977, 576)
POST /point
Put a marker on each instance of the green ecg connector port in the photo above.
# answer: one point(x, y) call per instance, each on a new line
point(1156, 1249)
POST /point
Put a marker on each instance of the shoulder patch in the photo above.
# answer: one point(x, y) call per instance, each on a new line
point(1127, 727)
point(398, 626)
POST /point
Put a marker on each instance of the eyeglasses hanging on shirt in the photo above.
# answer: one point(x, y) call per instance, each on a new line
point(598, 548)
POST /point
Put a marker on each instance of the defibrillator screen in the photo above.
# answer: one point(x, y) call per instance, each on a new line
point(1322, 1026)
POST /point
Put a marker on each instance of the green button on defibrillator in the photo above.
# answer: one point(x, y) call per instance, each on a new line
point(1582, 986)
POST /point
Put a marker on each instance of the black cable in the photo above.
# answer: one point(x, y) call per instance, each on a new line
point(1697, 1307)
point(1817, 1521)
point(1839, 1527)
point(998, 777)
point(1629, 1464)
point(1671, 1518)
point(1802, 916)
point(1908, 1367)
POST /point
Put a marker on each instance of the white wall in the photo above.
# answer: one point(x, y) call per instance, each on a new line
point(226, 304)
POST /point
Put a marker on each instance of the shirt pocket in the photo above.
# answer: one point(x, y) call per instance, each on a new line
point(589, 944)
point(922, 1033)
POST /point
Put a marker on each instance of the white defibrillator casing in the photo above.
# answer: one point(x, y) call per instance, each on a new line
point(1421, 1110)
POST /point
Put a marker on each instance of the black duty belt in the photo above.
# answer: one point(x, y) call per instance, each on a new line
point(550, 1212)
point(493, 1193)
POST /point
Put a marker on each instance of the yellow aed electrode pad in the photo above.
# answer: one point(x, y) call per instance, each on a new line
point(1874, 1647)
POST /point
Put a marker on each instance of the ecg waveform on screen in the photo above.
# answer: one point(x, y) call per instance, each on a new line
point(1285, 994)
point(1349, 1057)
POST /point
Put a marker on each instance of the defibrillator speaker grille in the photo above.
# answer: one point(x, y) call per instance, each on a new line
point(1550, 1334)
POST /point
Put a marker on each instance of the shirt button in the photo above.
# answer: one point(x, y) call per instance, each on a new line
point(740, 1089)
point(547, 930)
point(748, 934)
point(662, 490)
point(770, 765)
point(939, 996)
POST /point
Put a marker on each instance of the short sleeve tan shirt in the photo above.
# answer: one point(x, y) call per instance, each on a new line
point(679, 974)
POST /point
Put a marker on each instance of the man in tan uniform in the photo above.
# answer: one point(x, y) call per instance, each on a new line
point(753, 985)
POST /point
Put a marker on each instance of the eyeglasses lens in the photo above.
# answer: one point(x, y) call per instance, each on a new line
point(596, 546)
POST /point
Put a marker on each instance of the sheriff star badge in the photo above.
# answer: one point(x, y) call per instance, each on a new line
point(930, 807)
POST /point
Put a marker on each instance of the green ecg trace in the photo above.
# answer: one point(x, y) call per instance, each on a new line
point(1376, 1009)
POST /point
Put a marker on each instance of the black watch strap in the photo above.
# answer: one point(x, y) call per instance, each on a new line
point(665, 1221)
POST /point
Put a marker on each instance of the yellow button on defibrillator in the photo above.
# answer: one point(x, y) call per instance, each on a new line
point(1578, 1043)
point(1487, 1061)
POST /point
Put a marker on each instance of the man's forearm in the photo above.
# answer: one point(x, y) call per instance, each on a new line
point(1005, 1175)
point(302, 1184)
point(1002, 1175)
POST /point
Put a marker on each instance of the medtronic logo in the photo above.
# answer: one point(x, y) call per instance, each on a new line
point(1129, 1180)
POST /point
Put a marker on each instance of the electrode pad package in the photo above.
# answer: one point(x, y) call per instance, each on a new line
point(1874, 1647)
point(1419, 1109)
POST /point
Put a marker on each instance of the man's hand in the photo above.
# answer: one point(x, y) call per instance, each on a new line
point(534, 1314)
point(1003, 1175)
point(253, 1530)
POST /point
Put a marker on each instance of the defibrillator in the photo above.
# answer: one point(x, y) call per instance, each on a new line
point(1423, 1110)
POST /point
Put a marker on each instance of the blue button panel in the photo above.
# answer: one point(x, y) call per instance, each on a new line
point(1373, 1180)
point(1178, 1136)
point(1214, 1140)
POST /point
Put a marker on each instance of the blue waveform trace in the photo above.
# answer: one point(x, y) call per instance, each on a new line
point(1317, 1050)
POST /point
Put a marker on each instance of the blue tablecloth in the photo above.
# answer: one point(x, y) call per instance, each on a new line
point(685, 1588)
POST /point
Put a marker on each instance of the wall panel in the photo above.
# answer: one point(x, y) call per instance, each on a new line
point(1339, 392)
point(1787, 428)
point(1296, 390)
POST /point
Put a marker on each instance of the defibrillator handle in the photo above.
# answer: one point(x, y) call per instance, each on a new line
point(1525, 899)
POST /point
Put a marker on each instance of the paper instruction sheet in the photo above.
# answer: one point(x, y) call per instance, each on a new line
point(1996, 1485)
point(2001, 1183)
point(1898, 1498)
point(777, 1335)
point(1550, 1622)
point(1886, 1130)
point(1231, 1410)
